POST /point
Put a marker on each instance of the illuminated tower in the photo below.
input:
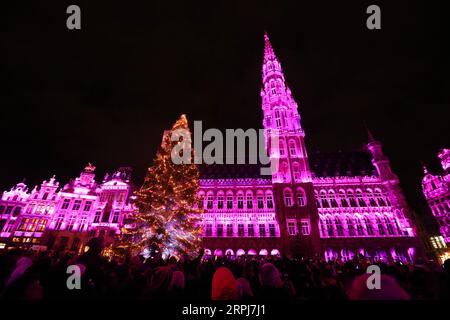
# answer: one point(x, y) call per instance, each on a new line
point(282, 120)
point(291, 175)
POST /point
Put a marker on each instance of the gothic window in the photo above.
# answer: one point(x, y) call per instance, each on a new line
point(350, 227)
point(360, 197)
point(316, 196)
point(379, 197)
point(278, 122)
point(209, 201)
point(2, 209)
point(229, 230)
point(260, 200)
point(272, 232)
point(230, 201)
point(32, 225)
point(332, 198)
point(250, 230)
point(359, 227)
point(339, 227)
point(301, 198)
point(220, 200)
point(323, 199)
point(262, 230)
point(281, 146)
point(269, 200)
point(380, 226)
point(351, 199)
point(8, 209)
point(296, 171)
point(240, 230)
point(292, 227)
point(249, 201)
point(343, 199)
point(306, 229)
point(322, 227)
point(288, 198)
point(389, 226)
point(369, 227)
point(329, 223)
point(240, 201)
point(292, 148)
point(45, 196)
point(220, 230)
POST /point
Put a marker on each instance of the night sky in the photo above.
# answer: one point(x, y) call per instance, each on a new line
point(105, 94)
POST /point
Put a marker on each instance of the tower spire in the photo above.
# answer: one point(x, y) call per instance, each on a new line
point(269, 54)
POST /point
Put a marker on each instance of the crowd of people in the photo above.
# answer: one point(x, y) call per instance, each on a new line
point(44, 276)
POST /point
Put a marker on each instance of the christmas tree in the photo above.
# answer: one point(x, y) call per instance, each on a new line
point(167, 219)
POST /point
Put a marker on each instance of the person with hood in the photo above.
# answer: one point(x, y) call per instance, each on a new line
point(159, 283)
point(272, 286)
point(223, 285)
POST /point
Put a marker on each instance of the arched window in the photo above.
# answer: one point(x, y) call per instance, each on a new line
point(389, 226)
point(381, 230)
point(220, 200)
point(350, 227)
point(287, 197)
point(260, 200)
point(369, 227)
point(240, 200)
point(360, 198)
point(372, 201)
point(322, 227)
point(323, 199)
point(269, 200)
point(229, 200)
point(339, 228)
point(292, 148)
point(359, 227)
point(379, 197)
point(278, 123)
point(301, 197)
point(316, 196)
point(249, 199)
point(343, 199)
point(332, 198)
point(329, 223)
point(209, 201)
point(351, 198)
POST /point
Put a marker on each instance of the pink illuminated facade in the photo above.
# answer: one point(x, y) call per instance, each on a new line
point(329, 205)
point(315, 204)
point(436, 188)
point(54, 217)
